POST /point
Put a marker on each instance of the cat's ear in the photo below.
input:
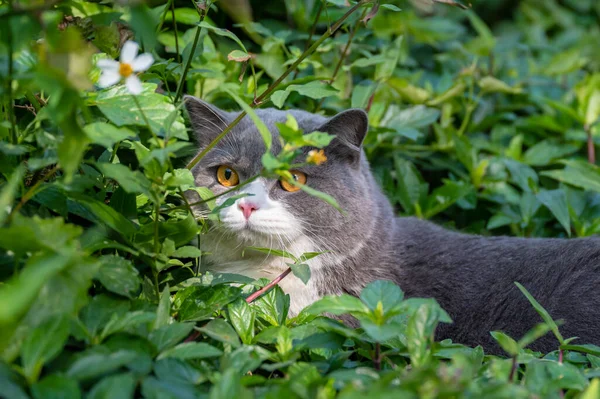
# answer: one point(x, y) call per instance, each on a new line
point(350, 128)
point(207, 120)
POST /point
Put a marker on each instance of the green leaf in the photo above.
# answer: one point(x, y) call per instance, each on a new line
point(119, 323)
point(220, 330)
point(21, 290)
point(260, 125)
point(92, 365)
point(119, 386)
point(538, 331)
point(43, 344)
point(163, 312)
point(337, 305)
point(544, 152)
point(120, 108)
point(56, 386)
point(419, 334)
point(490, 84)
point(300, 270)
point(509, 345)
point(72, 147)
point(315, 90)
point(8, 192)
point(199, 303)
point(382, 293)
point(542, 312)
point(242, 317)
point(187, 252)
point(106, 135)
point(556, 202)
point(191, 350)
point(577, 173)
point(105, 215)
point(170, 335)
point(443, 197)
point(271, 251)
point(119, 276)
point(223, 32)
point(238, 56)
point(132, 181)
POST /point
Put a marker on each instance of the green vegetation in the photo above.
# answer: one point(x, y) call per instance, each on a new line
point(482, 119)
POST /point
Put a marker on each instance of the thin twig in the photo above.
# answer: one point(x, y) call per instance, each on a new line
point(591, 150)
point(513, 369)
point(257, 102)
point(312, 32)
point(188, 62)
point(342, 57)
point(11, 113)
point(178, 56)
point(267, 287)
point(377, 358)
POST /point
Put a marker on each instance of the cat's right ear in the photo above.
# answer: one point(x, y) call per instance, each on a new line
point(207, 120)
point(350, 128)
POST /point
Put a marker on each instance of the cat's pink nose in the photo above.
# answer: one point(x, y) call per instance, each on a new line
point(247, 208)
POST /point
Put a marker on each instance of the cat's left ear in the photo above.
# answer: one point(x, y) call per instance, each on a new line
point(207, 120)
point(350, 128)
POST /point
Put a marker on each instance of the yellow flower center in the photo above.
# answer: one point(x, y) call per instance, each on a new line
point(316, 157)
point(125, 69)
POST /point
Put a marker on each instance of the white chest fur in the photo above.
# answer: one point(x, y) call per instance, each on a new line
point(228, 256)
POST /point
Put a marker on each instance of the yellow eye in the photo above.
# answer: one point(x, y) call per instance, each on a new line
point(298, 176)
point(227, 176)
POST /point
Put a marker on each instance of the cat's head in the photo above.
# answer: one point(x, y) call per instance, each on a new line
point(271, 214)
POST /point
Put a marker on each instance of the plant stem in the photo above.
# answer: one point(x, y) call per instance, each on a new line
point(188, 62)
point(312, 31)
point(10, 107)
point(147, 122)
point(267, 287)
point(178, 56)
point(342, 56)
point(258, 101)
point(513, 369)
point(591, 150)
point(377, 358)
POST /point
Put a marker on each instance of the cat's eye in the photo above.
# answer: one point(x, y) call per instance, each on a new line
point(297, 176)
point(227, 177)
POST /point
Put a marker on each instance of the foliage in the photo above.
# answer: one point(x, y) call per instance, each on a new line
point(482, 119)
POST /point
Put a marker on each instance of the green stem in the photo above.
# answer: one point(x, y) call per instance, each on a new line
point(258, 101)
point(342, 57)
point(175, 28)
point(10, 107)
point(147, 122)
point(246, 182)
point(188, 62)
point(312, 31)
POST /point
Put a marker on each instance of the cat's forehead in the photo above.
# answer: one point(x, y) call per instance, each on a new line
point(246, 142)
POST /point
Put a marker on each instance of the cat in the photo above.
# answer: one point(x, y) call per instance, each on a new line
point(472, 277)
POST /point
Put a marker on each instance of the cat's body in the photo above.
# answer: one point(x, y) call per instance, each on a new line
point(472, 277)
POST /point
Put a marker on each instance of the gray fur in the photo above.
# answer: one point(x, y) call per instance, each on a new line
point(472, 277)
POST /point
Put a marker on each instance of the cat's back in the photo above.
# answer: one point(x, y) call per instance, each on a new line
point(473, 279)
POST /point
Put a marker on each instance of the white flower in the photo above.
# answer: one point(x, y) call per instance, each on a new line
point(129, 62)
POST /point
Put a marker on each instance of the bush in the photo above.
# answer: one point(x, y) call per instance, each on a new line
point(482, 119)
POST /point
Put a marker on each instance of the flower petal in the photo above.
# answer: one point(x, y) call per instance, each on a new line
point(134, 85)
point(142, 62)
point(105, 64)
point(129, 51)
point(108, 78)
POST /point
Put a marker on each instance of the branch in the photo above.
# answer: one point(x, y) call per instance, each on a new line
point(267, 287)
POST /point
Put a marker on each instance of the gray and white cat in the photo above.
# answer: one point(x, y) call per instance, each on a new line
point(472, 277)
